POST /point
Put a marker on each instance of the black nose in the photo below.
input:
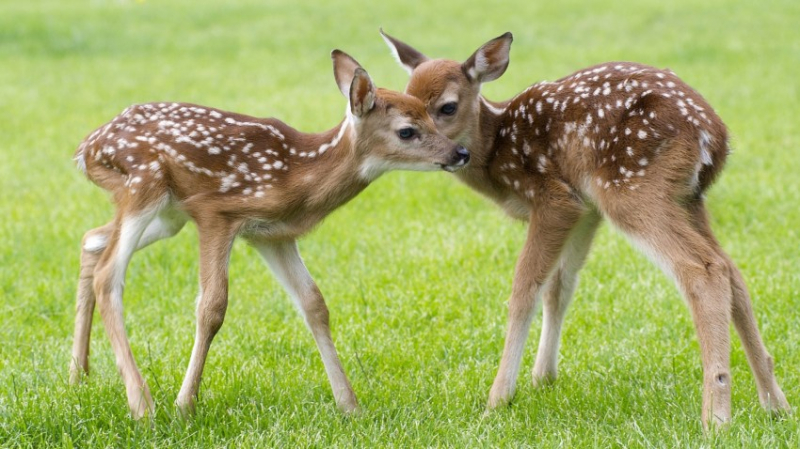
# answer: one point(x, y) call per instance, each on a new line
point(463, 154)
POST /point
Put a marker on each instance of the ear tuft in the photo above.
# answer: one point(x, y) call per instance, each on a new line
point(490, 61)
point(362, 93)
point(407, 56)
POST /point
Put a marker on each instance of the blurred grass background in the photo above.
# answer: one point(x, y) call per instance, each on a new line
point(416, 271)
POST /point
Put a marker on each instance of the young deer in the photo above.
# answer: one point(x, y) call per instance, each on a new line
point(624, 141)
point(232, 175)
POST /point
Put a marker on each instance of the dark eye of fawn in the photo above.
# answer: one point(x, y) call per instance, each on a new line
point(406, 133)
point(448, 108)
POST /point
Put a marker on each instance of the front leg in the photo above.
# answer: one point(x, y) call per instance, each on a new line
point(550, 225)
point(216, 239)
point(284, 260)
point(558, 294)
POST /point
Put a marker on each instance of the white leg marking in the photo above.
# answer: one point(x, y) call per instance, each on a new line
point(168, 223)
point(95, 243)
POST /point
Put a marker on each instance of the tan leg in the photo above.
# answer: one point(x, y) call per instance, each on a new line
point(285, 262)
point(558, 294)
point(216, 240)
point(109, 278)
point(549, 228)
point(769, 393)
point(92, 246)
point(94, 243)
point(666, 233)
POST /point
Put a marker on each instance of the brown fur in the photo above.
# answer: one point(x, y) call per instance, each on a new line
point(234, 175)
point(624, 141)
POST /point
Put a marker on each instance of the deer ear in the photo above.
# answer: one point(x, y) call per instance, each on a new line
point(490, 61)
point(362, 93)
point(344, 69)
point(403, 53)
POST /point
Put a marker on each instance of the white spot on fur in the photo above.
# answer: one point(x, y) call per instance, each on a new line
point(542, 165)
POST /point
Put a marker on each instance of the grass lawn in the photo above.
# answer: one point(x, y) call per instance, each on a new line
point(416, 270)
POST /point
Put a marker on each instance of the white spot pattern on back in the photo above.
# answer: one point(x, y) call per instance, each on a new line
point(201, 140)
point(623, 114)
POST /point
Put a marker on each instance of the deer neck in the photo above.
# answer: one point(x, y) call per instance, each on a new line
point(323, 175)
point(480, 140)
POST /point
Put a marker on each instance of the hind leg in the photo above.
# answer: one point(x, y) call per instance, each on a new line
point(666, 233)
point(769, 393)
point(109, 280)
point(165, 225)
point(92, 246)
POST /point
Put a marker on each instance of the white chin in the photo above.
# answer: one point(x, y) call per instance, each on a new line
point(452, 168)
point(372, 168)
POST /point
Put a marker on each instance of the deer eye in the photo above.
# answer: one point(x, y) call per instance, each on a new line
point(406, 133)
point(449, 108)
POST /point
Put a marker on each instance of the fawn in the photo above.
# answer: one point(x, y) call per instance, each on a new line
point(167, 163)
point(619, 140)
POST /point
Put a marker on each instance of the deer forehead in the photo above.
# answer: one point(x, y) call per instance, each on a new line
point(431, 79)
point(400, 107)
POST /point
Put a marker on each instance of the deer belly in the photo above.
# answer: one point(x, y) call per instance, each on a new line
point(257, 229)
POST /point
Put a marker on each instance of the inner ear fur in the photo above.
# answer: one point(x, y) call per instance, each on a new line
point(490, 61)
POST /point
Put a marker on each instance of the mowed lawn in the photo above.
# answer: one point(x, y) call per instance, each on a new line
point(417, 270)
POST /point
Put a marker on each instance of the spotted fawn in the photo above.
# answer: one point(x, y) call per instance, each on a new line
point(234, 175)
point(621, 141)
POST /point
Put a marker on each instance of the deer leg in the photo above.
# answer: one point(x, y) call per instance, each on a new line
point(92, 246)
point(558, 294)
point(769, 392)
point(167, 224)
point(94, 242)
point(744, 321)
point(666, 233)
point(216, 240)
point(549, 228)
point(285, 262)
point(109, 279)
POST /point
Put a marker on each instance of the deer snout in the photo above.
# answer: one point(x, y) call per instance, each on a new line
point(463, 155)
point(460, 159)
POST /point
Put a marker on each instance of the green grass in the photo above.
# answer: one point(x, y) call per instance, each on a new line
point(417, 270)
